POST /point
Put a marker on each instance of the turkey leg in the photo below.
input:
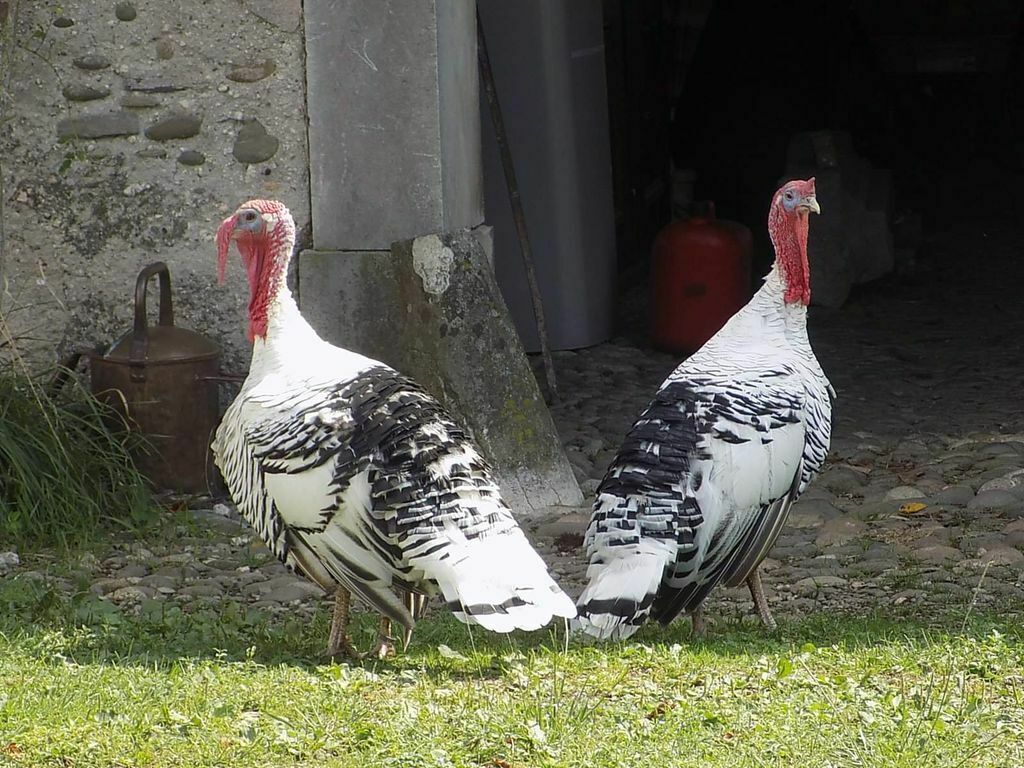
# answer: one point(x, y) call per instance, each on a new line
point(340, 644)
point(760, 602)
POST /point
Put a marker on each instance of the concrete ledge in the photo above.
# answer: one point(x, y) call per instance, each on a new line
point(431, 308)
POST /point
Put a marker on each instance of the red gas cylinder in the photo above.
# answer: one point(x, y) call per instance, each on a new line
point(700, 277)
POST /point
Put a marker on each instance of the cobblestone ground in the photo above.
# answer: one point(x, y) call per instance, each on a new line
point(919, 511)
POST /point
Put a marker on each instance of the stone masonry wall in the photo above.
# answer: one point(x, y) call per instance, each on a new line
point(130, 129)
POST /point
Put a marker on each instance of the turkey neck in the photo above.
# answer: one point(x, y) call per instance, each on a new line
point(789, 238)
point(288, 343)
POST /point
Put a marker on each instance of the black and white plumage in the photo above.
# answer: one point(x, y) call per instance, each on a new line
point(703, 483)
point(356, 477)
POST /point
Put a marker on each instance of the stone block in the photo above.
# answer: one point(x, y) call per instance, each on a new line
point(395, 137)
point(431, 308)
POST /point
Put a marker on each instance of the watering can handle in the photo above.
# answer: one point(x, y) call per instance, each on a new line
point(140, 333)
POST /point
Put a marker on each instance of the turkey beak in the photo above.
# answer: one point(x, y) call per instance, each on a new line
point(810, 203)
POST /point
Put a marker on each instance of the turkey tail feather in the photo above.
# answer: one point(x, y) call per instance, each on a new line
point(621, 592)
point(500, 583)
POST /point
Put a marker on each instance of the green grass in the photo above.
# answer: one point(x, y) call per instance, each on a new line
point(82, 684)
point(64, 478)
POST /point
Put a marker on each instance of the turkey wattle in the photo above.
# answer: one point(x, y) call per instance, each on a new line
point(703, 483)
point(355, 476)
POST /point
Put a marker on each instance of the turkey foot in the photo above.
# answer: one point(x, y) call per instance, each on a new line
point(760, 602)
point(340, 644)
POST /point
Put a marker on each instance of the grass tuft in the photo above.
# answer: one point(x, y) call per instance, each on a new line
point(64, 477)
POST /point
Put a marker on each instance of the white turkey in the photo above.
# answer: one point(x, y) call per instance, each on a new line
point(356, 477)
point(703, 483)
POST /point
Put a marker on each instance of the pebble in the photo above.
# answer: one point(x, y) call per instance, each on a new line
point(8, 562)
point(839, 531)
point(80, 92)
point(125, 11)
point(107, 585)
point(812, 584)
point(936, 553)
point(98, 125)
point(292, 592)
point(1012, 482)
point(131, 594)
point(1002, 556)
point(91, 62)
point(812, 513)
point(139, 101)
point(175, 126)
point(191, 157)
point(159, 582)
point(995, 499)
point(132, 570)
point(957, 495)
point(843, 479)
point(251, 73)
point(902, 492)
point(253, 144)
point(164, 47)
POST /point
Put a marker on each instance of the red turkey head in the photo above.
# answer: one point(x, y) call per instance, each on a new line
point(787, 225)
point(264, 232)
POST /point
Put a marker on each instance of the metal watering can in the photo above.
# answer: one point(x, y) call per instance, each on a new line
point(162, 380)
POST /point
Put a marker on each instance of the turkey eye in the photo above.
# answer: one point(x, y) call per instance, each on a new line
point(249, 217)
point(789, 194)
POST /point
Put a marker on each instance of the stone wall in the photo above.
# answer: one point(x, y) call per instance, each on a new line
point(130, 130)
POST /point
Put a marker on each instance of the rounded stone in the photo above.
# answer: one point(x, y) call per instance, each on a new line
point(812, 584)
point(291, 592)
point(1001, 556)
point(98, 126)
point(154, 153)
point(80, 92)
point(843, 480)
point(251, 73)
point(1013, 482)
point(125, 11)
point(207, 588)
point(164, 48)
point(191, 157)
point(901, 492)
point(131, 595)
point(106, 586)
point(958, 495)
point(132, 570)
point(8, 561)
point(995, 499)
point(91, 62)
point(177, 126)
point(139, 100)
point(63, 22)
point(839, 531)
point(253, 144)
point(937, 554)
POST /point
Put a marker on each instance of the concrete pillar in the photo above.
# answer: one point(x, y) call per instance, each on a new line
point(394, 135)
point(399, 270)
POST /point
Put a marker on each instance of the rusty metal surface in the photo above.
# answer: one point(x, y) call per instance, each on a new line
point(162, 380)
